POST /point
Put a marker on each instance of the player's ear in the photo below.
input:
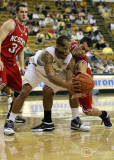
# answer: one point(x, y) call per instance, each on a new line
point(15, 12)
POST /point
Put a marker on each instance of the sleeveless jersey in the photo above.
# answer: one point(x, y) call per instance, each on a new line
point(14, 42)
point(83, 59)
point(59, 65)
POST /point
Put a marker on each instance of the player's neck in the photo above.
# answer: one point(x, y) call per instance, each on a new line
point(21, 23)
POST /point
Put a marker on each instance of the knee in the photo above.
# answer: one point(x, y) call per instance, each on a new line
point(1, 87)
point(25, 91)
point(88, 113)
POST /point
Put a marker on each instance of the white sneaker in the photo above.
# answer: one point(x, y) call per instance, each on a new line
point(8, 128)
point(76, 124)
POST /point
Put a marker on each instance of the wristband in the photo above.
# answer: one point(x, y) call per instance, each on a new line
point(79, 73)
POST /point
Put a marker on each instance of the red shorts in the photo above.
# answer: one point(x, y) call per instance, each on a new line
point(11, 76)
point(86, 103)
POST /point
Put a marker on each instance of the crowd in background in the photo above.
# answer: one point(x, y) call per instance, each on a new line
point(45, 26)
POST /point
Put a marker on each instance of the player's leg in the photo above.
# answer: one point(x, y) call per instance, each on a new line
point(47, 124)
point(14, 81)
point(29, 83)
point(76, 123)
point(17, 105)
point(8, 91)
point(86, 104)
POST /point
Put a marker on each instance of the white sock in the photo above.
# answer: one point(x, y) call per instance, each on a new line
point(12, 116)
point(75, 112)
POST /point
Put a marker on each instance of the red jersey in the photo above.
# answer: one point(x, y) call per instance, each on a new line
point(14, 42)
point(83, 59)
point(85, 103)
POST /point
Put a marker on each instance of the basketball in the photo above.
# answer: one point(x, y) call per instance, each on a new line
point(86, 81)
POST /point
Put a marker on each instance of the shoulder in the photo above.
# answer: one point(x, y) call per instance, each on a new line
point(8, 25)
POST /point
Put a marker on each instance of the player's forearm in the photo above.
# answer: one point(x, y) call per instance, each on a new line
point(21, 60)
point(57, 81)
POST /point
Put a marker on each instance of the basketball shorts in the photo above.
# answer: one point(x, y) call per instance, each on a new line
point(34, 75)
point(11, 76)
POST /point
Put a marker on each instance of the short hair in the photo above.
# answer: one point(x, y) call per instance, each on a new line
point(19, 5)
point(60, 40)
point(87, 40)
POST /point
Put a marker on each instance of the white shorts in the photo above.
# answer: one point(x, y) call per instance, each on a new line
point(33, 76)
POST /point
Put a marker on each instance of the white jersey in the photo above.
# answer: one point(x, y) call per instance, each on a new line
point(35, 72)
point(59, 65)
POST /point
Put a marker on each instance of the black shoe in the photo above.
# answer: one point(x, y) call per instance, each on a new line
point(106, 119)
point(44, 126)
point(19, 120)
point(8, 128)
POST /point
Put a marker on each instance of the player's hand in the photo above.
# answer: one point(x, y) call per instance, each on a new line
point(1, 66)
point(74, 87)
point(22, 71)
point(79, 95)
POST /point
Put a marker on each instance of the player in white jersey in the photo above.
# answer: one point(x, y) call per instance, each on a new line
point(54, 66)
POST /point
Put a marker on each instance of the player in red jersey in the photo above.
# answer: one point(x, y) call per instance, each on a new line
point(82, 66)
point(13, 38)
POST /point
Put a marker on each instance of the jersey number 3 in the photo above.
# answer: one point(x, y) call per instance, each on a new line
point(14, 48)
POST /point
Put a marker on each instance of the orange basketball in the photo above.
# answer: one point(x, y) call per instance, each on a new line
point(86, 81)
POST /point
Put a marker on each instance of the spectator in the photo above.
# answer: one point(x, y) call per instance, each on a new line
point(58, 3)
point(79, 35)
point(102, 10)
point(88, 29)
point(105, 14)
point(30, 29)
point(28, 52)
point(35, 15)
point(99, 36)
point(83, 3)
point(64, 31)
point(39, 38)
point(48, 36)
point(35, 29)
point(42, 23)
point(93, 67)
point(5, 5)
point(106, 70)
point(79, 21)
point(91, 55)
point(107, 49)
point(100, 44)
point(92, 21)
point(70, 32)
point(73, 36)
point(95, 29)
point(41, 15)
point(56, 28)
point(49, 20)
point(112, 13)
point(72, 17)
point(111, 25)
point(30, 14)
point(89, 16)
point(99, 64)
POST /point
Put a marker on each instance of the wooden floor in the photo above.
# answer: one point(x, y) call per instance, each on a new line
point(62, 143)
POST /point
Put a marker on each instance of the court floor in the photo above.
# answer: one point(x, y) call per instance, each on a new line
point(62, 143)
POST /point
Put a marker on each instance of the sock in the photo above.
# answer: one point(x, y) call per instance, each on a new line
point(9, 99)
point(12, 116)
point(47, 117)
point(10, 110)
point(75, 112)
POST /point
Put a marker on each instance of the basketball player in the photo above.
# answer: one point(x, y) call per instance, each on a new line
point(82, 66)
point(54, 66)
point(13, 38)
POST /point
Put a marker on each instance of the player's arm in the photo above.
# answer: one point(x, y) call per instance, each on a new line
point(21, 61)
point(81, 67)
point(69, 70)
point(48, 60)
point(5, 29)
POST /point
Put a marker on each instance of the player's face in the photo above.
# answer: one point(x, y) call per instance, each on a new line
point(81, 50)
point(22, 14)
point(63, 51)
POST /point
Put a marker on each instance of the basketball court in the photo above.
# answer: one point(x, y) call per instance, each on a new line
point(62, 143)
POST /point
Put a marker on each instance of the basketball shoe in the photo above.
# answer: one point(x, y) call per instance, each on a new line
point(43, 127)
point(17, 119)
point(106, 119)
point(76, 124)
point(8, 128)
